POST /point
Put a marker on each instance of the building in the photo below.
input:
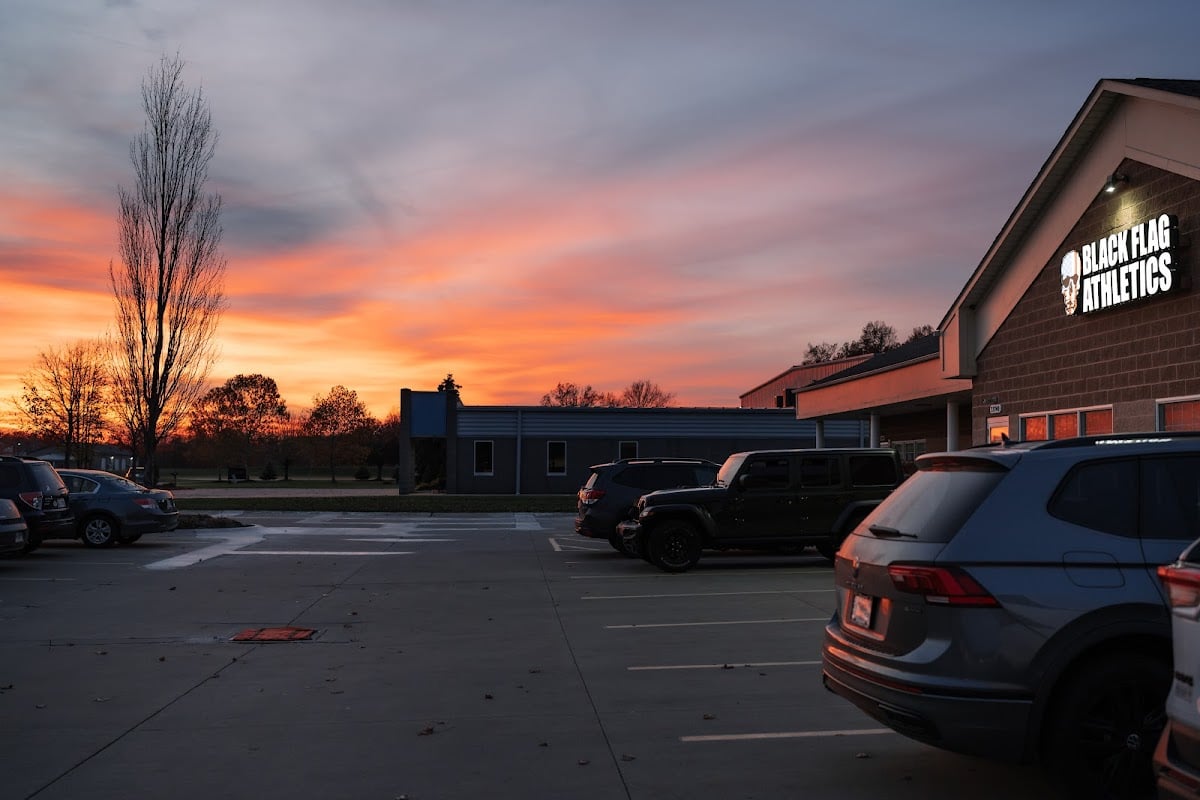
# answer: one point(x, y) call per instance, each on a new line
point(1082, 317)
point(549, 449)
point(780, 391)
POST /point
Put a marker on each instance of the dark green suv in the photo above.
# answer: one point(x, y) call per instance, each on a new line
point(765, 499)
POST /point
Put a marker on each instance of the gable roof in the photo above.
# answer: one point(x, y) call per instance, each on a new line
point(922, 349)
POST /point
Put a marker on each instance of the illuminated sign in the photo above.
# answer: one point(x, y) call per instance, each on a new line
point(1131, 264)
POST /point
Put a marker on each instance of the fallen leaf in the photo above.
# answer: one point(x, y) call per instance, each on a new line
point(583, 762)
point(627, 757)
point(426, 731)
point(862, 755)
point(710, 716)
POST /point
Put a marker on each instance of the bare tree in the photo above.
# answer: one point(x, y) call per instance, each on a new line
point(64, 398)
point(645, 394)
point(820, 353)
point(169, 288)
point(569, 394)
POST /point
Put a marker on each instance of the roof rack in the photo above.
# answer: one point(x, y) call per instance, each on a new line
point(1118, 438)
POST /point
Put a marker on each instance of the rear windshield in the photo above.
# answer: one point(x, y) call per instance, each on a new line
point(934, 503)
point(46, 477)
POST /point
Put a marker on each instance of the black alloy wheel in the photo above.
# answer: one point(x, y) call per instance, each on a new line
point(674, 546)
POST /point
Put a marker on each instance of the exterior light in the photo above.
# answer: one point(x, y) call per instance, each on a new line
point(1114, 181)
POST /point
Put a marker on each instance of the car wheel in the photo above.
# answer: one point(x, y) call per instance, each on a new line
point(618, 544)
point(829, 549)
point(130, 539)
point(100, 531)
point(674, 547)
point(1103, 728)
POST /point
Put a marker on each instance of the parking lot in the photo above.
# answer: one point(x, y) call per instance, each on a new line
point(449, 657)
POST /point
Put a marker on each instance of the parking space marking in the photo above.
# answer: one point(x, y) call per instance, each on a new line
point(703, 594)
point(741, 737)
point(659, 667)
point(400, 539)
point(321, 553)
point(725, 622)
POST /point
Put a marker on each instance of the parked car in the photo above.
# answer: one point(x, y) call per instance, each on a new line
point(1177, 757)
point(13, 530)
point(40, 496)
point(611, 492)
point(110, 509)
point(764, 499)
point(1004, 602)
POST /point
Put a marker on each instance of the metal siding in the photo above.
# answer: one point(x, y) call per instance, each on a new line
point(635, 424)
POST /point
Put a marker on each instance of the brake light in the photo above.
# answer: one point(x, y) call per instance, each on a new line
point(32, 499)
point(145, 502)
point(1182, 585)
point(945, 586)
point(589, 496)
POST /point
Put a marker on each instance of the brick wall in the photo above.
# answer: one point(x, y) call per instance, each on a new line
point(1042, 360)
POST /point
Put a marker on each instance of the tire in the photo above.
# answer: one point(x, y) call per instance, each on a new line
point(829, 549)
point(100, 531)
point(1104, 724)
point(618, 544)
point(674, 546)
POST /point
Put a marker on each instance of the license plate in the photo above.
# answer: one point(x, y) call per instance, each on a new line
point(861, 610)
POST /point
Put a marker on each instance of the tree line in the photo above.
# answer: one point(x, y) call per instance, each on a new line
point(876, 337)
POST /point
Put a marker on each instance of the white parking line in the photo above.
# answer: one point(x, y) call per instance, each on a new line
point(724, 666)
point(741, 737)
point(321, 553)
point(402, 539)
point(730, 622)
point(702, 594)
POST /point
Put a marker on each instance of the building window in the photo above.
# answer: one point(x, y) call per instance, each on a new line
point(1066, 424)
point(483, 458)
point(908, 451)
point(556, 458)
point(1179, 415)
point(627, 450)
point(997, 428)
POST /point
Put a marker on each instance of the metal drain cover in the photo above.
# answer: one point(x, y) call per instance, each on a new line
point(274, 635)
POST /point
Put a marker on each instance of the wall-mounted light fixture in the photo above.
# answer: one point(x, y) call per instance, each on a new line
point(1114, 181)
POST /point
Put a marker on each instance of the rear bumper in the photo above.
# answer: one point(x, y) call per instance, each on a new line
point(47, 527)
point(13, 536)
point(975, 724)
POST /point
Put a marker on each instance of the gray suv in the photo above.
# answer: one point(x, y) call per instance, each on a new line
point(612, 490)
point(1004, 602)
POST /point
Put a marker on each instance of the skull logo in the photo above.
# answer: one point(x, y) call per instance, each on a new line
point(1072, 270)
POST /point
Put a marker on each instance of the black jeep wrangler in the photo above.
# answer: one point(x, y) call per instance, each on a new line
point(766, 499)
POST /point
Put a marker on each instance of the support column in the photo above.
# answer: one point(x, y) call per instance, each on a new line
point(820, 443)
point(951, 426)
point(874, 431)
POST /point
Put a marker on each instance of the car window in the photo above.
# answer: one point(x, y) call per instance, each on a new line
point(768, 472)
point(704, 475)
point(872, 470)
point(10, 476)
point(818, 471)
point(1171, 497)
point(45, 476)
point(1100, 495)
point(936, 502)
point(77, 484)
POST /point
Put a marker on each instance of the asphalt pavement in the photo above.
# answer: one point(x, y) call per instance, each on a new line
point(434, 656)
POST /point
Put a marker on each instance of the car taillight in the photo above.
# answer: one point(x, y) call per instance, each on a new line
point(1182, 584)
point(32, 499)
point(589, 496)
point(946, 586)
point(145, 502)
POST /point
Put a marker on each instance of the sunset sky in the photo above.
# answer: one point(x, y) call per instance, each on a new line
point(527, 192)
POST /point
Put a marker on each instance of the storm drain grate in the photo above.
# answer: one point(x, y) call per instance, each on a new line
point(274, 635)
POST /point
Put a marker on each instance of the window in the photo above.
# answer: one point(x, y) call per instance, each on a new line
point(1171, 497)
point(1179, 415)
point(818, 472)
point(908, 451)
point(627, 450)
point(483, 458)
point(1065, 424)
point(768, 473)
point(556, 458)
point(77, 484)
point(1100, 495)
point(877, 470)
point(997, 428)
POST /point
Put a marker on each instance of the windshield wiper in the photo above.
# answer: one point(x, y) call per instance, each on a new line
point(885, 532)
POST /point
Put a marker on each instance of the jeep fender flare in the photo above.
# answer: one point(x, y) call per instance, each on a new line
point(685, 512)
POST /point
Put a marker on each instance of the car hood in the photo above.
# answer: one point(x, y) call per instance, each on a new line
point(699, 494)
